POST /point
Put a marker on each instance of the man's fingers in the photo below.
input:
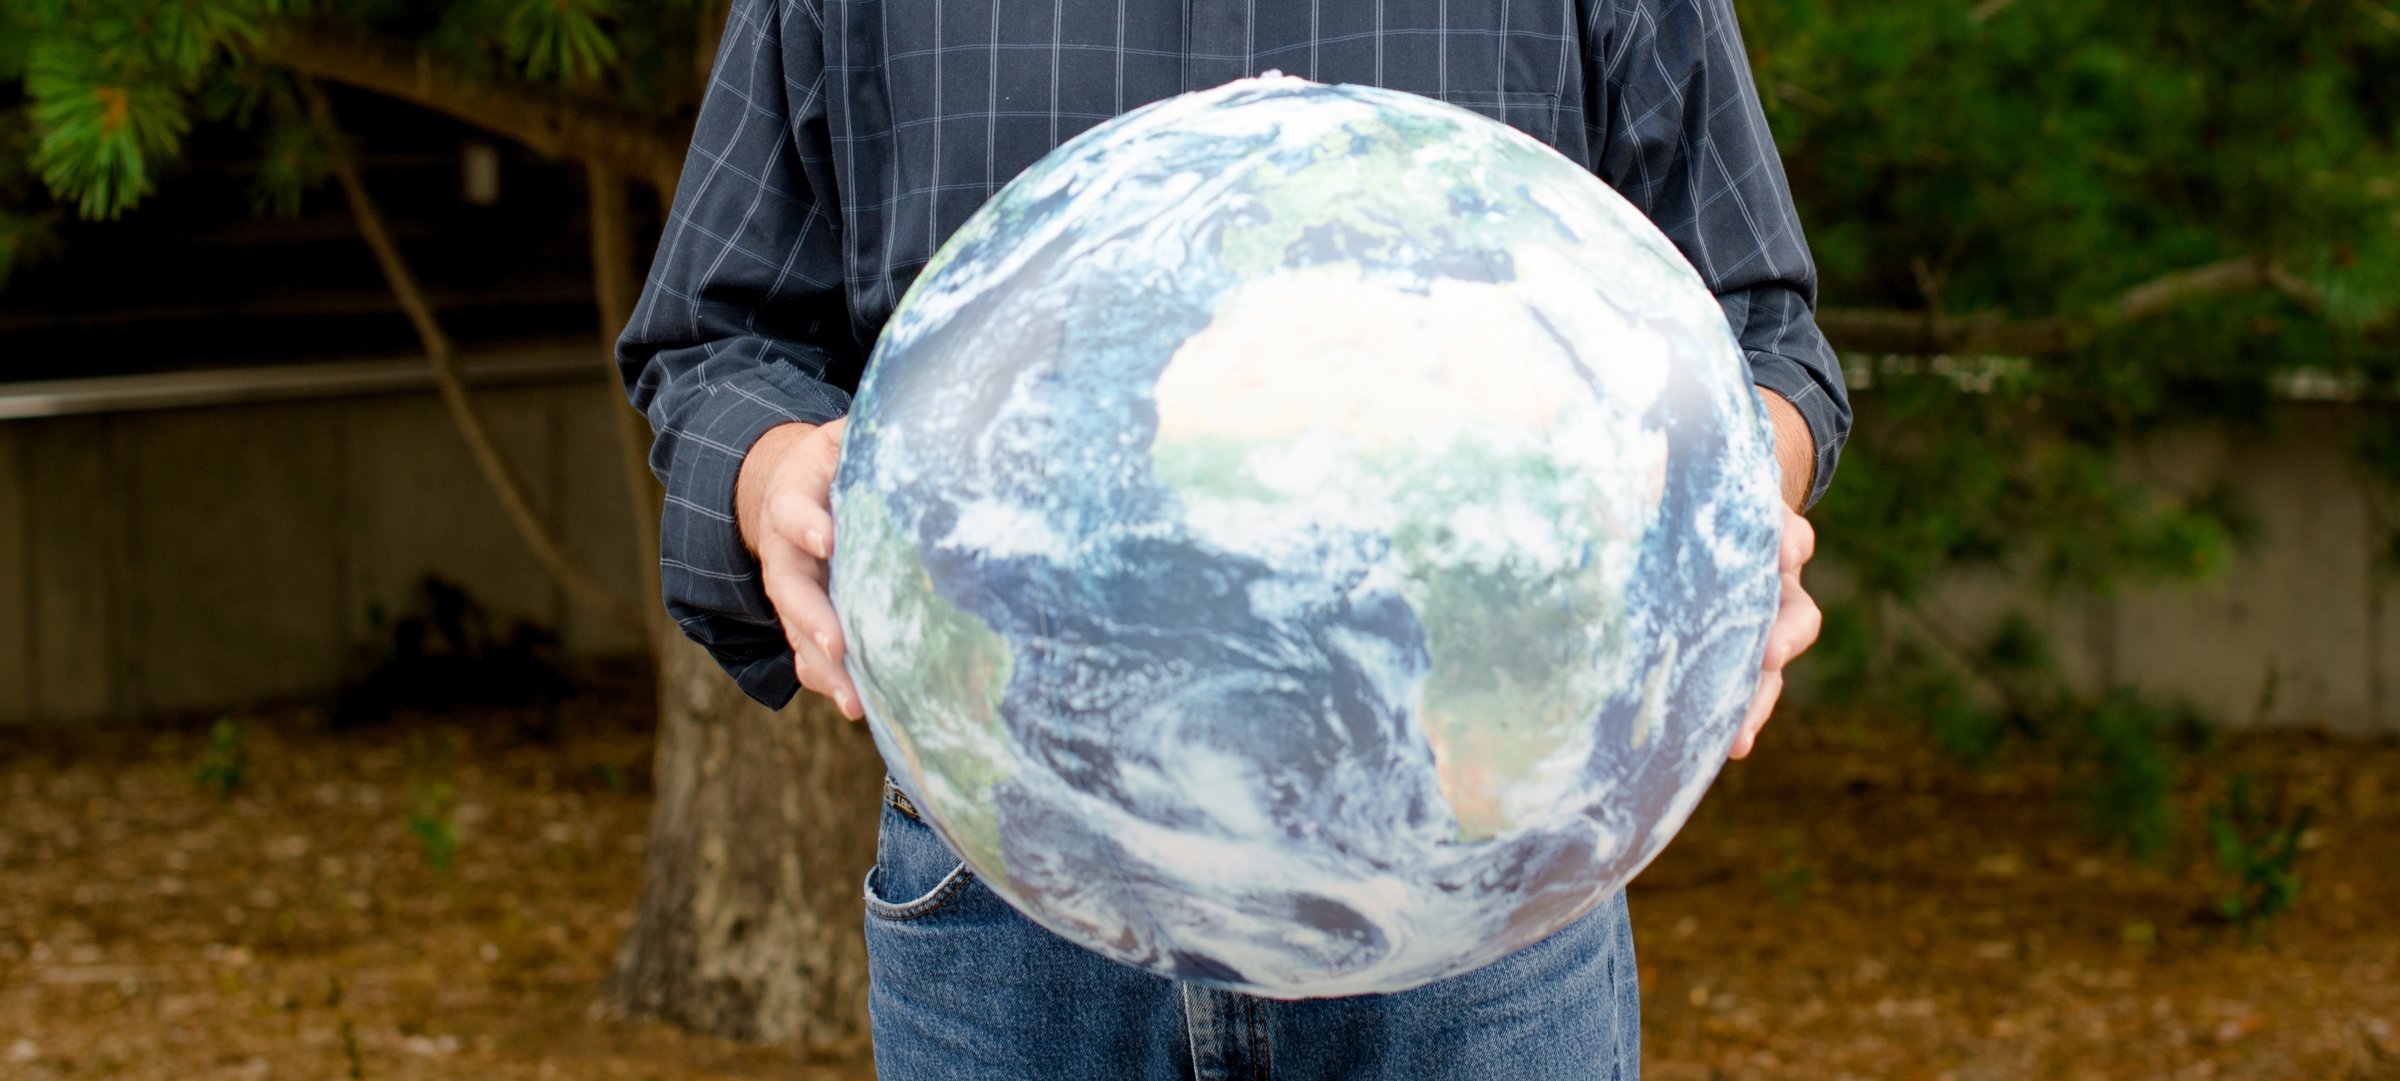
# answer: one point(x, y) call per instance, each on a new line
point(807, 611)
point(1798, 621)
point(816, 479)
point(1762, 706)
point(844, 695)
point(1799, 544)
point(806, 523)
point(809, 663)
point(827, 677)
point(792, 531)
point(789, 576)
point(812, 629)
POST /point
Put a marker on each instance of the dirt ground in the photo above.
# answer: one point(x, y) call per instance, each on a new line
point(1845, 905)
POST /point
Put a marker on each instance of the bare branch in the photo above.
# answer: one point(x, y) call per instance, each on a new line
point(549, 121)
point(1867, 330)
point(481, 446)
point(2168, 290)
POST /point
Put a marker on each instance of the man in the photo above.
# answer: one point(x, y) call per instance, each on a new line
point(843, 140)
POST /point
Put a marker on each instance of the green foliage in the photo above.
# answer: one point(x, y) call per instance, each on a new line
point(1970, 729)
point(2256, 847)
point(2041, 162)
point(293, 158)
point(2123, 750)
point(432, 815)
point(101, 135)
point(1967, 729)
point(1790, 881)
point(2130, 750)
point(433, 822)
point(565, 40)
point(225, 760)
point(111, 88)
point(2042, 165)
point(2042, 158)
point(1940, 480)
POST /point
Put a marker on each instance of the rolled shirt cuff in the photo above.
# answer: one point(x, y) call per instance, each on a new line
point(1825, 416)
point(707, 576)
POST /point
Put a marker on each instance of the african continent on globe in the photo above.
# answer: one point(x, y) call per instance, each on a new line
point(1309, 540)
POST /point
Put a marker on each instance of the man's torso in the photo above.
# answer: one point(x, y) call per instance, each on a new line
point(931, 106)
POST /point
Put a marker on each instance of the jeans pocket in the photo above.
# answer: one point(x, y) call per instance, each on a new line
point(915, 874)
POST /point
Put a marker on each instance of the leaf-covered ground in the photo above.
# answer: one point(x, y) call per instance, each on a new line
point(1846, 904)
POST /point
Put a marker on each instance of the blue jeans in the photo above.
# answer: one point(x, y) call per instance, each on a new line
point(965, 988)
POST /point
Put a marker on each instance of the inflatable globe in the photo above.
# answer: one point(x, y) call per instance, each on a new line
point(1309, 540)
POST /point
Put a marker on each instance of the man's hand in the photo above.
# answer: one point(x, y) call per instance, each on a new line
point(1797, 620)
point(782, 501)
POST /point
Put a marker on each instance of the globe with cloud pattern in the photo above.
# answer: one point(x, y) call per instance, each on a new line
point(1306, 539)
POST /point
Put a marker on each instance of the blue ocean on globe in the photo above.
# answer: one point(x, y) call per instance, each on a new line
point(1310, 540)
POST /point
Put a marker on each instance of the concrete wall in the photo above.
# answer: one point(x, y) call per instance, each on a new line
point(2297, 632)
point(171, 559)
point(181, 556)
point(2293, 634)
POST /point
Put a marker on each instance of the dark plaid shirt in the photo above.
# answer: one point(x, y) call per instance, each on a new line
point(842, 140)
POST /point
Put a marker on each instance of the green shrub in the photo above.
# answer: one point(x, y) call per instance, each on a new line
point(2256, 847)
point(2131, 748)
point(432, 817)
point(434, 824)
point(224, 760)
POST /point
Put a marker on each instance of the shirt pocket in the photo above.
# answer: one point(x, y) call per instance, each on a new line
point(1534, 112)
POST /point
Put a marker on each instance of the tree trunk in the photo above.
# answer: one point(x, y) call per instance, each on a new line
point(749, 925)
point(616, 291)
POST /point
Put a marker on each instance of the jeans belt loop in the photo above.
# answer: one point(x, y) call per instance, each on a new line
point(898, 799)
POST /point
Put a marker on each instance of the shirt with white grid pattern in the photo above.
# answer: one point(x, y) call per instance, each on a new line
point(841, 141)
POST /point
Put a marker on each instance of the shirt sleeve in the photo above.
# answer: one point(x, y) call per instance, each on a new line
point(1681, 135)
point(741, 319)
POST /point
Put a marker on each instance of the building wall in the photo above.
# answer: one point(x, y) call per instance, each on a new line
point(187, 557)
point(2292, 634)
point(179, 559)
point(2296, 632)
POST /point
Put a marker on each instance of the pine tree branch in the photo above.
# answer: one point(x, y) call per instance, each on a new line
point(548, 120)
point(546, 545)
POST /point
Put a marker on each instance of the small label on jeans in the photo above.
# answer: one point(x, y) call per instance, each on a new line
point(898, 799)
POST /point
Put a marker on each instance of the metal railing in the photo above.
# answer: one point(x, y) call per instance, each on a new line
point(291, 382)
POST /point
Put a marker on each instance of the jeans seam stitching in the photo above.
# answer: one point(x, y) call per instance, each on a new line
point(942, 893)
point(1259, 1067)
